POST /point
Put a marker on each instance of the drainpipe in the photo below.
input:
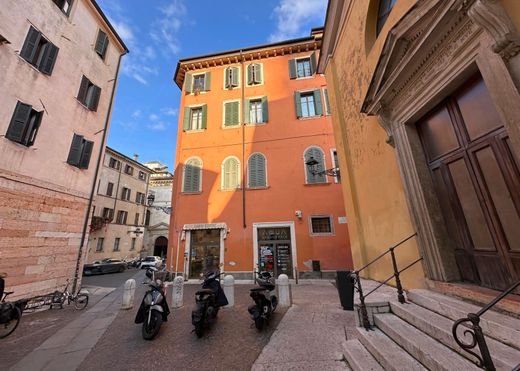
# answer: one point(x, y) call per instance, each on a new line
point(93, 188)
point(243, 143)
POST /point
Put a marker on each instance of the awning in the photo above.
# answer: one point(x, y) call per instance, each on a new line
point(192, 227)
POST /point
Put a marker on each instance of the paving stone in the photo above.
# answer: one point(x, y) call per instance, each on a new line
point(68, 361)
point(359, 358)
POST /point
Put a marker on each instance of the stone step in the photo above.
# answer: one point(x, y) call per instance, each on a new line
point(359, 358)
point(389, 355)
point(439, 328)
point(501, 327)
point(432, 354)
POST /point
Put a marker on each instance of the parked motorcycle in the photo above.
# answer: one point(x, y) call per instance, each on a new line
point(208, 302)
point(154, 308)
point(265, 300)
point(10, 314)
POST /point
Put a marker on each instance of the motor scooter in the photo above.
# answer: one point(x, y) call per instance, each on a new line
point(264, 298)
point(208, 301)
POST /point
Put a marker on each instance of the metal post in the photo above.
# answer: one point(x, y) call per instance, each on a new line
point(487, 362)
point(362, 306)
point(400, 295)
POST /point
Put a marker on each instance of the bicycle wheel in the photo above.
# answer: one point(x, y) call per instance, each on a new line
point(81, 301)
point(7, 329)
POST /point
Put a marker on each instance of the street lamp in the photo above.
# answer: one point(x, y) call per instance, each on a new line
point(312, 165)
point(151, 199)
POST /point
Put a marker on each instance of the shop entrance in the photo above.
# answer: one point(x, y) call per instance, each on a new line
point(204, 251)
point(274, 251)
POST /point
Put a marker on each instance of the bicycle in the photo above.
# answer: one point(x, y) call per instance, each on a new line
point(79, 299)
point(10, 314)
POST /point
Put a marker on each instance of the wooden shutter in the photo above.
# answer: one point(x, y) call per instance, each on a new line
point(30, 45)
point(257, 171)
point(32, 128)
point(227, 113)
point(298, 104)
point(207, 81)
point(75, 150)
point(318, 105)
point(230, 174)
point(19, 122)
point(250, 72)
point(227, 78)
point(292, 69)
point(235, 108)
point(234, 76)
point(257, 73)
point(186, 119)
point(48, 59)
point(246, 111)
point(195, 181)
point(265, 110)
point(93, 104)
point(188, 83)
point(327, 106)
point(313, 63)
point(86, 154)
point(101, 44)
point(188, 178)
point(204, 116)
point(83, 88)
point(317, 153)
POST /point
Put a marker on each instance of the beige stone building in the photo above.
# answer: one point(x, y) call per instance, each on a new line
point(160, 186)
point(59, 63)
point(120, 212)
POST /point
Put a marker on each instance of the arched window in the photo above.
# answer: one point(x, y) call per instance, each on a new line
point(231, 173)
point(318, 155)
point(257, 171)
point(385, 7)
point(192, 175)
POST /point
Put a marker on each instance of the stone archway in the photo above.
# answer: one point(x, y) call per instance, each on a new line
point(160, 246)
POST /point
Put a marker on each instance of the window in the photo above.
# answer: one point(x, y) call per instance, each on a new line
point(80, 152)
point(385, 7)
point(39, 52)
point(254, 74)
point(335, 164)
point(121, 217)
point(132, 244)
point(327, 105)
point(101, 44)
point(256, 111)
point(110, 188)
point(142, 175)
point(308, 104)
point(125, 194)
point(129, 170)
point(147, 218)
point(108, 213)
point(321, 225)
point(231, 113)
point(99, 245)
point(64, 5)
point(139, 198)
point(230, 174)
point(317, 154)
point(136, 219)
point(114, 164)
point(302, 67)
point(116, 244)
point(257, 172)
point(192, 175)
point(24, 124)
point(231, 77)
point(89, 94)
point(197, 83)
point(195, 118)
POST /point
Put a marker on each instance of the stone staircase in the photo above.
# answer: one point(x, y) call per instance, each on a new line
point(417, 335)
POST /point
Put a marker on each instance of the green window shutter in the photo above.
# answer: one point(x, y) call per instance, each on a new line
point(257, 171)
point(32, 129)
point(250, 78)
point(188, 178)
point(327, 105)
point(265, 110)
point(234, 76)
point(298, 104)
point(292, 69)
point(235, 111)
point(313, 63)
point(93, 104)
point(227, 77)
point(195, 180)
point(30, 45)
point(101, 44)
point(317, 153)
point(75, 150)
point(83, 88)
point(85, 154)
point(258, 73)
point(228, 107)
point(207, 81)
point(49, 58)
point(188, 83)
point(186, 119)
point(246, 111)
point(19, 122)
point(318, 105)
point(204, 116)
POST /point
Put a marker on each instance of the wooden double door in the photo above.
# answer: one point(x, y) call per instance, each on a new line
point(477, 180)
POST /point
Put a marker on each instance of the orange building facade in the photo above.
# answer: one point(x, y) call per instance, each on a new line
point(243, 196)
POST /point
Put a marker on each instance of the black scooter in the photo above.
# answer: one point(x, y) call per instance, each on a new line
point(208, 302)
point(265, 300)
point(154, 308)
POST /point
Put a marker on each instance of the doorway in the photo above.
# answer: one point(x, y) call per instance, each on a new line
point(204, 251)
point(160, 246)
point(274, 251)
point(477, 181)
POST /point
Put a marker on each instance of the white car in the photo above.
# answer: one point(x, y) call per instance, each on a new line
point(151, 261)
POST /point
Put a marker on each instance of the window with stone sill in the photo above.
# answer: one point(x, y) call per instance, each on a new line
point(116, 243)
point(129, 170)
point(99, 244)
point(321, 225)
point(114, 164)
point(121, 217)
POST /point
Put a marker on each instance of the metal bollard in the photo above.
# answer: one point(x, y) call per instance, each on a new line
point(177, 292)
point(229, 290)
point(128, 294)
point(284, 294)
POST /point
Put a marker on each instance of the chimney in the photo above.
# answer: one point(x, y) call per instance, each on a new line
point(136, 156)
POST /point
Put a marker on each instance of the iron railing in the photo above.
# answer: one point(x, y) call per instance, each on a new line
point(474, 331)
point(395, 275)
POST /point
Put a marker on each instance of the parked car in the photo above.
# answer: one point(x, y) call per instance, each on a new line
point(151, 261)
point(104, 266)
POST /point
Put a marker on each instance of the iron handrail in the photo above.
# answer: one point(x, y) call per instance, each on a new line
point(484, 360)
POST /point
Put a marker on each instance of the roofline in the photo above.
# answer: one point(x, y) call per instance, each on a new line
point(112, 29)
point(130, 159)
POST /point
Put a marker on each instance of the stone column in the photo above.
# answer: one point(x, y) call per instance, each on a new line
point(229, 290)
point(128, 294)
point(177, 292)
point(284, 291)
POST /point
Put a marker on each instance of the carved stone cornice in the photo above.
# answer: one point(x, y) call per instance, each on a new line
point(385, 122)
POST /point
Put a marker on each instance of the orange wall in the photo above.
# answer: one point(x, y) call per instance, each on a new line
point(283, 141)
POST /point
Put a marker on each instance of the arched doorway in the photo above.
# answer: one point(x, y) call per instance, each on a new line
point(160, 246)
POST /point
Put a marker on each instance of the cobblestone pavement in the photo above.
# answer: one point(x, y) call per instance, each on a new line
point(231, 344)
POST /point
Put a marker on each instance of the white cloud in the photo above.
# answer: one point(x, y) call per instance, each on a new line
point(164, 30)
point(136, 114)
point(292, 15)
point(153, 117)
point(124, 30)
point(161, 125)
point(169, 111)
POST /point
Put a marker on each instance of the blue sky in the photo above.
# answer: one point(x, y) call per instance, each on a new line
point(160, 32)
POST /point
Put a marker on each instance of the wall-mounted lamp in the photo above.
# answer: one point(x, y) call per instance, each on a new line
point(313, 166)
point(298, 214)
point(151, 199)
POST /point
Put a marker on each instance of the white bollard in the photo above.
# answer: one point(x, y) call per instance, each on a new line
point(128, 294)
point(284, 294)
point(177, 291)
point(229, 290)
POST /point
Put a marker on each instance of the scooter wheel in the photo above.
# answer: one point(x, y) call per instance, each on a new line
point(259, 323)
point(199, 330)
point(150, 330)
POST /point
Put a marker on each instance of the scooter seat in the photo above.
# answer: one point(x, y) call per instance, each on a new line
point(204, 291)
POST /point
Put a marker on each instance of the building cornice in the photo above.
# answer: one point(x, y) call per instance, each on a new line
point(128, 159)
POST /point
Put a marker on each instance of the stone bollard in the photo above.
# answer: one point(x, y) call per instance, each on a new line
point(177, 292)
point(128, 294)
point(284, 291)
point(229, 290)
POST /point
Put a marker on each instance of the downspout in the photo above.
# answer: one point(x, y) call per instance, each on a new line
point(243, 143)
point(93, 188)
